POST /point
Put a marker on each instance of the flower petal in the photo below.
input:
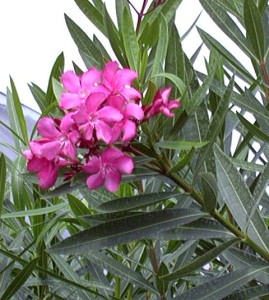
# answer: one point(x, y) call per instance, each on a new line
point(103, 131)
point(48, 176)
point(46, 127)
point(109, 114)
point(112, 181)
point(109, 155)
point(70, 81)
point(93, 165)
point(36, 164)
point(89, 78)
point(69, 101)
point(94, 101)
point(125, 164)
point(94, 181)
point(129, 130)
point(130, 93)
point(134, 110)
point(125, 77)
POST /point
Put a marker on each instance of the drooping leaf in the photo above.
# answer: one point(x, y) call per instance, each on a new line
point(223, 285)
point(124, 272)
point(239, 200)
point(84, 43)
point(200, 229)
point(201, 260)
point(125, 230)
point(19, 280)
point(92, 13)
point(254, 27)
point(135, 202)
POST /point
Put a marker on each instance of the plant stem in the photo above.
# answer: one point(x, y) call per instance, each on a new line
point(265, 78)
point(215, 214)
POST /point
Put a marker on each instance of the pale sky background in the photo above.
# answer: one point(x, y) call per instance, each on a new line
point(33, 33)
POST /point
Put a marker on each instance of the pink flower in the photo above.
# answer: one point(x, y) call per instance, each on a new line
point(117, 81)
point(46, 170)
point(107, 169)
point(127, 126)
point(92, 119)
point(56, 141)
point(78, 88)
point(161, 104)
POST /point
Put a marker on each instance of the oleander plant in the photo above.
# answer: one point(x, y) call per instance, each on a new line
point(143, 177)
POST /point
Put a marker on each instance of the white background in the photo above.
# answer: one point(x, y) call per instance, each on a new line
point(33, 33)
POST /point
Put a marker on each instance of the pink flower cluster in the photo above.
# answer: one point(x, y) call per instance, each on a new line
point(101, 108)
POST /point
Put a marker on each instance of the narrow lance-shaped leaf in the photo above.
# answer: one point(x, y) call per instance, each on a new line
point(14, 122)
point(19, 280)
point(92, 14)
point(180, 145)
point(125, 230)
point(223, 285)
point(253, 129)
point(239, 200)
point(84, 43)
point(254, 27)
point(2, 181)
point(211, 43)
point(203, 228)
point(200, 261)
point(210, 191)
point(121, 270)
point(130, 42)
point(135, 202)
point(215, 127)
point(161, 47)
point(56, 73)
point(227, 25)
point(19, 112)
point(251, 293)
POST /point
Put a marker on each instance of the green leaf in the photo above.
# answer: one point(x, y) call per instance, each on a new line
point(180, 145)
point(2, 181)
point(135, 202)
point(19, 112)
point(130, 40)
point(254, 27)
point(239, 199)
point(175, 79)
point(211, 43)
point(92, 14)
point(252, 293)
point(168, 10)
point(200, 261)
point(223, 285)
point(39, 96)
point(182, 162)
point(210, 191)
point(215, 127)
point(56, 73)
point(175, 60)
point(200, 229)
point(84, 43)
point(14, 121)
point(57, 89)
point(199, 95)
point(227, 25)
point(253, 129)
point(19, 280)
point(120, 270)
point(161, 48)
point(125, 230)
point(70, 274)
point(35, 212)
point(114, 37)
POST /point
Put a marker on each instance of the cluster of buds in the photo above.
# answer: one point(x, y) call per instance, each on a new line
point(101, 109)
